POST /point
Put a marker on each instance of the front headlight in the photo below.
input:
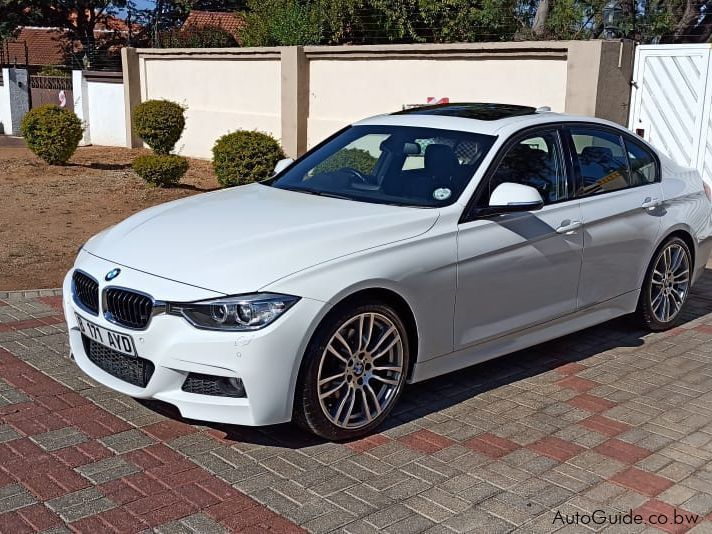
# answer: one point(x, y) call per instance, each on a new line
point(236, 314)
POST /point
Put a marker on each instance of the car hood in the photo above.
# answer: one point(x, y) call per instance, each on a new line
point(241, 239)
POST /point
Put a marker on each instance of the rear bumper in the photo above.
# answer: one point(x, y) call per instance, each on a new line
point(267, 361)
point(702, 257)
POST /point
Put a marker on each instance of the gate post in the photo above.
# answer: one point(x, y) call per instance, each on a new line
point(81, 104)
point(132, 93)
point(294, 110)
point(18, 82)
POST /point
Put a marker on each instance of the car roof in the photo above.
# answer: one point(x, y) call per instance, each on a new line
point(478, 117)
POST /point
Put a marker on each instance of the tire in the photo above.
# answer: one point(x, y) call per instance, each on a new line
point(323, 401)
point(666, 286)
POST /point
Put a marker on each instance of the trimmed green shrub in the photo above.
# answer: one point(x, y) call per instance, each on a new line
point(159, 123)
point(353, 158)
point(51, 132)
point(51, 70)
point(160, 170)
point(243, 157)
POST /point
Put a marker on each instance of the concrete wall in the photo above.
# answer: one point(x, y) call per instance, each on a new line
point(99, 103)
point(388, 81)
point(106, 113)
point(302, 94)
point(5, 110)
point(223, 91)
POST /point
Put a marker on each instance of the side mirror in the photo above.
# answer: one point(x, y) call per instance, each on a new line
point(511, 197)
point(281, 165)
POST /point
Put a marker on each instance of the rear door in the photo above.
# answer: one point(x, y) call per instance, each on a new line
point(618, 185)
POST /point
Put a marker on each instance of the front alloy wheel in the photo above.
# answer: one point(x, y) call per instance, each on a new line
point(354, 372)
point(667, 285)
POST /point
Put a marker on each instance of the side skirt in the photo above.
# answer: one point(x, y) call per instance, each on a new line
point(526, 338)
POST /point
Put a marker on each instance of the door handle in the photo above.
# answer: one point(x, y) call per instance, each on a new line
point(650, 203)
point(569, 227)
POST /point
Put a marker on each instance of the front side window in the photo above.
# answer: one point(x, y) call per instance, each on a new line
point(602, 161)
point(401, 165)
point(535, 160)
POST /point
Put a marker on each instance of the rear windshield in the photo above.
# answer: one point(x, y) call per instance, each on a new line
point(401, 165)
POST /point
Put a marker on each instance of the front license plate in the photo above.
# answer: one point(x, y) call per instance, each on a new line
point(114, 340)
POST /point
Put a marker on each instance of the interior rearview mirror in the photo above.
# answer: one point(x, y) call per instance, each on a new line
point(510, 197)
point(281, 165)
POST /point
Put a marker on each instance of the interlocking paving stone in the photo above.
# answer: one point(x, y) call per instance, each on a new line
point(610, 417)
point(127, 441)
point(7, 433)
point(107, 469)
point(59, 439)
point(83, 503)
point(196, 523)
point(14, 496)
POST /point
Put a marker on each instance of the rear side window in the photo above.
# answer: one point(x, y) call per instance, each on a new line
point(602, 161)
point(643, 166)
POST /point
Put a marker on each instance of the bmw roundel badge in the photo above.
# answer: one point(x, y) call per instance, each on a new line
point(113, 273)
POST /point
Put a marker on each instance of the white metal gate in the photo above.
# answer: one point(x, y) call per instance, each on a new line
point(671, 100)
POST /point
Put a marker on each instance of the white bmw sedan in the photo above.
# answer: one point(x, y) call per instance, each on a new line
point(403, 247)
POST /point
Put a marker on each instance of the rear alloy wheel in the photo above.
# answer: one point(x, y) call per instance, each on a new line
point(354, 373)
point(667, 286)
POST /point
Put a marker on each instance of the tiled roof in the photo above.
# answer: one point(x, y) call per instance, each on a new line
point(115, 24)
point(51, 46)
point(45, 46)
point(230, 22)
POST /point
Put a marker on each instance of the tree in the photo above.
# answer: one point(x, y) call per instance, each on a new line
point(693, 21)
point(281, 23)
point(647, 21)
point(78, 17)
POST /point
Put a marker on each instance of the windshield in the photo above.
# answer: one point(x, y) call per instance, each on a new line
point(401, 165)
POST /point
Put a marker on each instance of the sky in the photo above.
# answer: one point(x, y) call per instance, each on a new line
point(143, 4)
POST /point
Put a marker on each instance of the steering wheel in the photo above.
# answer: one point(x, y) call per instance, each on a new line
point(358, 175)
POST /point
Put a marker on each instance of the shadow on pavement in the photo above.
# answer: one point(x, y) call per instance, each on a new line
point(443, 392)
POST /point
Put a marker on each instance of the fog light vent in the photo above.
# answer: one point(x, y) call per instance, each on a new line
point(216, 386)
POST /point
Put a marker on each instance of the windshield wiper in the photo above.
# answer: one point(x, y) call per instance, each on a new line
point(316, 192)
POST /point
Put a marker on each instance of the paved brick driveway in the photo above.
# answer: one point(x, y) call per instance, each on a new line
point(609, 419)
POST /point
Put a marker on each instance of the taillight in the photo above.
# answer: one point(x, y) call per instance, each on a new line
point(708, 191)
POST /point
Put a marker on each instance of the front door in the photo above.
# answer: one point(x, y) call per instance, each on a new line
point(520, 269)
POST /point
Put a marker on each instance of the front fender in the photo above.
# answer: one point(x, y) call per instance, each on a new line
point(422, 271)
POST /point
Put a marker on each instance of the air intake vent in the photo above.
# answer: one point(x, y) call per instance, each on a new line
point(135, 371)
point(217, 386)
point(86, 291)
point(128, 308)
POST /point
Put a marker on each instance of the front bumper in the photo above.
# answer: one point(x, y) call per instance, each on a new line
point(267, 361)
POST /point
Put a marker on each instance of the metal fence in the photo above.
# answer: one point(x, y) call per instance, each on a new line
point(99, 59)
point(13, 52)
point(51, 90)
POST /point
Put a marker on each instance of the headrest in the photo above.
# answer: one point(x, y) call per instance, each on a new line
point(597, 154)
point(440, 157)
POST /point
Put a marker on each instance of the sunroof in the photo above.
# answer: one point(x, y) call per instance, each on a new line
point(465, 110)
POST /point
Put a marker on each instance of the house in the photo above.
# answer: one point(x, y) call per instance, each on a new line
point(46, 46)
point(225, 20)
point(38, 46)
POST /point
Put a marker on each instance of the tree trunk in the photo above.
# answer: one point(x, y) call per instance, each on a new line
point(540, 18)
point(686, 30)
point(703, 31)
